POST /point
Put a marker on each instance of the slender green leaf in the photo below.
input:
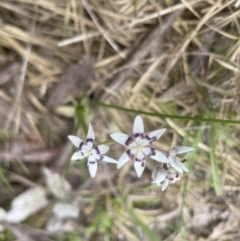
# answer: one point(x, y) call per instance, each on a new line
point(166, 115)
point(190, 163)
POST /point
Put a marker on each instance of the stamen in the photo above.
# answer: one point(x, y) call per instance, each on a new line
point(153, 139)
point(147, 137)
point(150, 139)
point(153, 152)
point(165, 166)
point(129, 141)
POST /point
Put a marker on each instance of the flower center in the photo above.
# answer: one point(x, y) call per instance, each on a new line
point(90, 153)
point(139, 147)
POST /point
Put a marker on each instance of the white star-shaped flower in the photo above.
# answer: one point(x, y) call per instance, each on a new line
point(164, 175)
point(94, 155)
point(176, 162)
point(138, 146)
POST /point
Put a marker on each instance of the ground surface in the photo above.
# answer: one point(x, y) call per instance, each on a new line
point(60, 60)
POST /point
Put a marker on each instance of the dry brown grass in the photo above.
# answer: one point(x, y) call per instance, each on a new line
point(171, 57)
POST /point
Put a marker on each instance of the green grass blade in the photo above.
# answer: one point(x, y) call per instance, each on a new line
point(213, 120)
point(5, 181)
point(214, 165)
point(147, 231)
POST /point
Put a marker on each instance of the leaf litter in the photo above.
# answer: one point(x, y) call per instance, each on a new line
point(76, 78)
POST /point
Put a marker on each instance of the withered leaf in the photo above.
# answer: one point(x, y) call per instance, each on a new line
point(76, 78)
point(7, 73)
point(35, 156)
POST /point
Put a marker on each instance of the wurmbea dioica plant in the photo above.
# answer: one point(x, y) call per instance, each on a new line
point(138, 148)
point(94, 155)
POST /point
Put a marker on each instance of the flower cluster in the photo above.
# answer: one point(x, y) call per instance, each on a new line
point(138, 147)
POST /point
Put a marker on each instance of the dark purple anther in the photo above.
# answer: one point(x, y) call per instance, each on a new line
point(152, 152)
point(165, 166)
point(150, 139)
point(147, 137)
point(128, 141)
point(153, 139)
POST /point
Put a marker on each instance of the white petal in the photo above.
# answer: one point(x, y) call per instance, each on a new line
point(85, 148)
point(172, 162)
point(165, 184)
point(148, 151)
point(180, 149)
point(154, 173)
point(90, 136)
point(101, 149)
point(123, 139)
point(92, 165)
point(140, 156)
point(158, 156)
point(177, 178)
point(161, 176)
point(138, 127)
point(172, 177)
point(156, 134)
point(139, 167)
point(181, 165)
point(124, 158)
point(77, 156)
point(76, 141)
point(108, 159)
